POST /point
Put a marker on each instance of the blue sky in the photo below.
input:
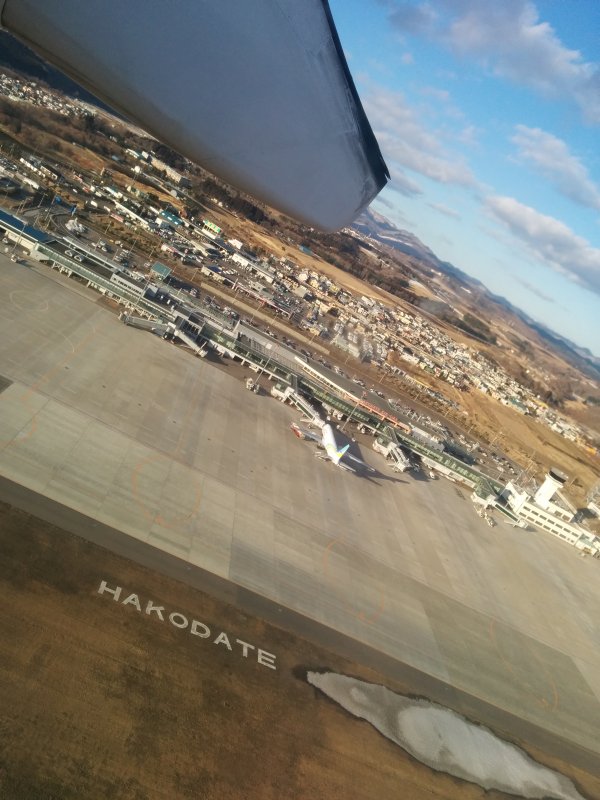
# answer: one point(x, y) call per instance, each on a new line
point(488, 116)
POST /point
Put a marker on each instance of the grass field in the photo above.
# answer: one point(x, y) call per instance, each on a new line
point(98, 700)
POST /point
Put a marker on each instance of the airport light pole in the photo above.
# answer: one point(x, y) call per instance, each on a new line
point(18, 240)
point(256, 310)
point(153, 251)
point(524, 476)
point(349, 417)
point(135, 241)
point(496, 437)
point(268, 346)
point(49, 212)
point(143, 294)
point(17, 243)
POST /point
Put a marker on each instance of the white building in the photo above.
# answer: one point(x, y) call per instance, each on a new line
point(554, 481)
point(243, 260)
point(548, 520)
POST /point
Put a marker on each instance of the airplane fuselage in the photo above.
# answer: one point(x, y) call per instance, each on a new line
point(330, 444)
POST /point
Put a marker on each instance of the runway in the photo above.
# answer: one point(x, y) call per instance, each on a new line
point(122, 429)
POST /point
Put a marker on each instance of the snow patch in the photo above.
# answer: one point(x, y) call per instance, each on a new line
point(445, 740)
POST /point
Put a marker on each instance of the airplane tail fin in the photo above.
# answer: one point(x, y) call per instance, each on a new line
point(341, 452)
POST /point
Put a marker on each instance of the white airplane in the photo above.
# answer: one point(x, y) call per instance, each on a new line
point(327, 441)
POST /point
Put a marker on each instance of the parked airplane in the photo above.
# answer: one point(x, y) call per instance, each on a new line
point(326, 440)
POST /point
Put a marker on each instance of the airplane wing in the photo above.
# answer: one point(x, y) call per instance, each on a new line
point(357, 461)
point(259, 93)
point(305, 433)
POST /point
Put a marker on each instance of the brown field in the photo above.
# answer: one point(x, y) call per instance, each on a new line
point(588, 415)
point(99, 701)
point(532, 444)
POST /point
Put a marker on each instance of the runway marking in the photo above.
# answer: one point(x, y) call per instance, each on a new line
point(40, 307)
point(361, 615)
point(69, 342)
point(542, 701)
point(51, 332)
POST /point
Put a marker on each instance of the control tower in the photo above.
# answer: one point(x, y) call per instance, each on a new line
point(555, 480)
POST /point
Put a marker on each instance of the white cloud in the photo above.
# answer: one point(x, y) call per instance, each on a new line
point(401, 183)
point(383, 201)
point(550, 156)
point(509, 38)
point(445, 210)
point(548, 240)
point(443, 95)
point(534, 290)
point(406, 142)
point(412, 19)
point(469, 135)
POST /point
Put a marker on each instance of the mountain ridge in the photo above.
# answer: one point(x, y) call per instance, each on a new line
point(378, 227)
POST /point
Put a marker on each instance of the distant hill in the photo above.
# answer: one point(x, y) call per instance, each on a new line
point(580, 357)
point(370, 223)
point(378, 227)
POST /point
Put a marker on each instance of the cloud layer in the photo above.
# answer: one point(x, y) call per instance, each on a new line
point(550, 156)
point(508, 38)
point(445, 210)
point(407, 143)
point(548, 240)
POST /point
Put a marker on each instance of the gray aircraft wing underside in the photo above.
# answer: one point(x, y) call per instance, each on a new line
point(358, 461)
point(258, 92)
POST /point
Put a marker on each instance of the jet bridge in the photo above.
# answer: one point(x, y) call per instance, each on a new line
point(304, 406)
point(144, 324)
point(189, 333)
point(189, 342)
point(391, 450)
